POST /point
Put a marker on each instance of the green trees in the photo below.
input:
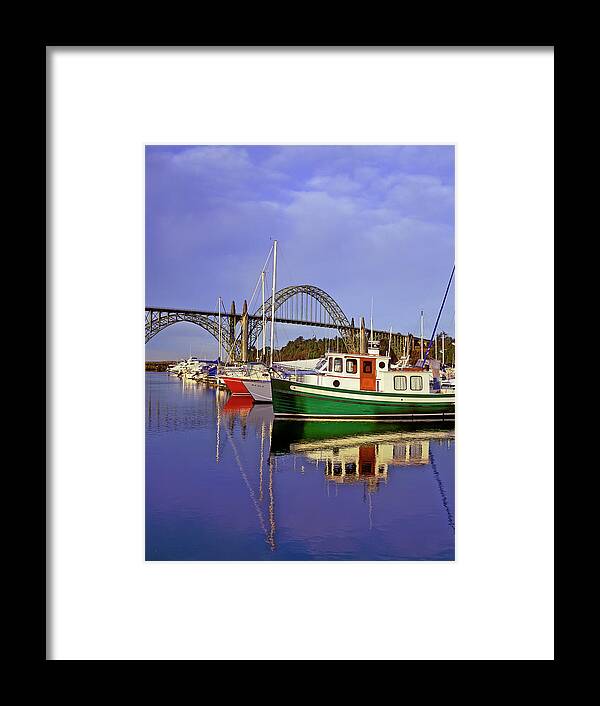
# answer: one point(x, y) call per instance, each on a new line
point(306, 348)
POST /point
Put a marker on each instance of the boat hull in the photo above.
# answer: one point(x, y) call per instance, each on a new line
point(235, 386)
point(293, 399)
point(260, 390)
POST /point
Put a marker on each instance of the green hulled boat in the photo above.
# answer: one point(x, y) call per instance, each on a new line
point(355, 386)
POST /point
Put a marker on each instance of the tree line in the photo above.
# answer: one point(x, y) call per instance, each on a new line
point(306, 348)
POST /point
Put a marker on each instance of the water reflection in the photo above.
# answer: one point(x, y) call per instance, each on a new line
point(354, 452)
point(364, 452)
point(227, 481)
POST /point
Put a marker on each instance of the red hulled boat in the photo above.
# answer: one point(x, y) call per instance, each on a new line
point(235, 385)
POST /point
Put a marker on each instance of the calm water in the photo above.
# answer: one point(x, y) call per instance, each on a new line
point(224, 480)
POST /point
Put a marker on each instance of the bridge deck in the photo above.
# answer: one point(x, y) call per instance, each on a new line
point(255, 317)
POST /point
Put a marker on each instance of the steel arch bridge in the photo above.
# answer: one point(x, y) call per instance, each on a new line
point(158, 319)
point(304, 305)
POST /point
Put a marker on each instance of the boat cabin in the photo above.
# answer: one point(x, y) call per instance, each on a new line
point(371, 372)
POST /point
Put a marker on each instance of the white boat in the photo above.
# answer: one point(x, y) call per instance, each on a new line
point(237, 379)
point(177, 368)
point(192, 365)
point(259, 386)
point(259, 390)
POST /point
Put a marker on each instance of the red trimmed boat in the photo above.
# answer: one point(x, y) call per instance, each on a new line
point(235, 385)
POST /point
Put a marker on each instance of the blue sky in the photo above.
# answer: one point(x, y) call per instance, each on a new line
point(359, 222)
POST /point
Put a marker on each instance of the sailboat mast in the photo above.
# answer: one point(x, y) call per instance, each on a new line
point(371, 318)
point(264, 313)
point(443, 348)
point(219, 308)
point(421, 334)
point(273, 300)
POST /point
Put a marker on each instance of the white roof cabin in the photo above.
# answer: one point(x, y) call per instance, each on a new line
point(370, 372)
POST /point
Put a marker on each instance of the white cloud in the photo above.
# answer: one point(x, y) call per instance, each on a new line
point(201, 160)
point(340, 184)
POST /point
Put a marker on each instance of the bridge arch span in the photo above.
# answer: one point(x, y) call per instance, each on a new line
point(158, 320)
point(309, 304)
point(302, 304)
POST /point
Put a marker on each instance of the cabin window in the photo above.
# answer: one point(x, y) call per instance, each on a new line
point(350, 468)
point(367, 366)
point(400, 382)
point(351, 365)
point(330, 364)
point(416, 382)
point(415, 451)
point(338, 365)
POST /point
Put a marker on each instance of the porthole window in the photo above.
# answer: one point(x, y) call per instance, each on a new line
point(351, 366)
point(381, 364)
point(338, 365)
point(400, 382)
point(416, 383)
point(336, 383)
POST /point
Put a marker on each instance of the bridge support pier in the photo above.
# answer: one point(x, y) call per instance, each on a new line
point(245, 333)
point(363, 337)
point(232, 331)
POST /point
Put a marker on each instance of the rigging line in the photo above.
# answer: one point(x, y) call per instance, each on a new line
point(239, 336)
point(438, 317)
point(441, 487)
point(271, 538)
point(262, 451)
point(259, 277)
point(252, 495)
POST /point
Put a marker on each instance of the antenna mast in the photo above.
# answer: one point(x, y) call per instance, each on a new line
point(264, 313)
point(219, 307)
point(273, 300)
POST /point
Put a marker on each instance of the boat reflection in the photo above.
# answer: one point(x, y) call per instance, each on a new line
point(235, 404)
point(358, 452)
point(308, 484)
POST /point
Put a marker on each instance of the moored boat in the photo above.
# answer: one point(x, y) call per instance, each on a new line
point(357, 385)
point(235, 385)
point(258, 384)
point(259, 390)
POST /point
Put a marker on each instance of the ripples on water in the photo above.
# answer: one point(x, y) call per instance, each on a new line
point(224, 480)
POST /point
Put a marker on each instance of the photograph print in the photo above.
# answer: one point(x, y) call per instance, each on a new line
point(299, 353)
